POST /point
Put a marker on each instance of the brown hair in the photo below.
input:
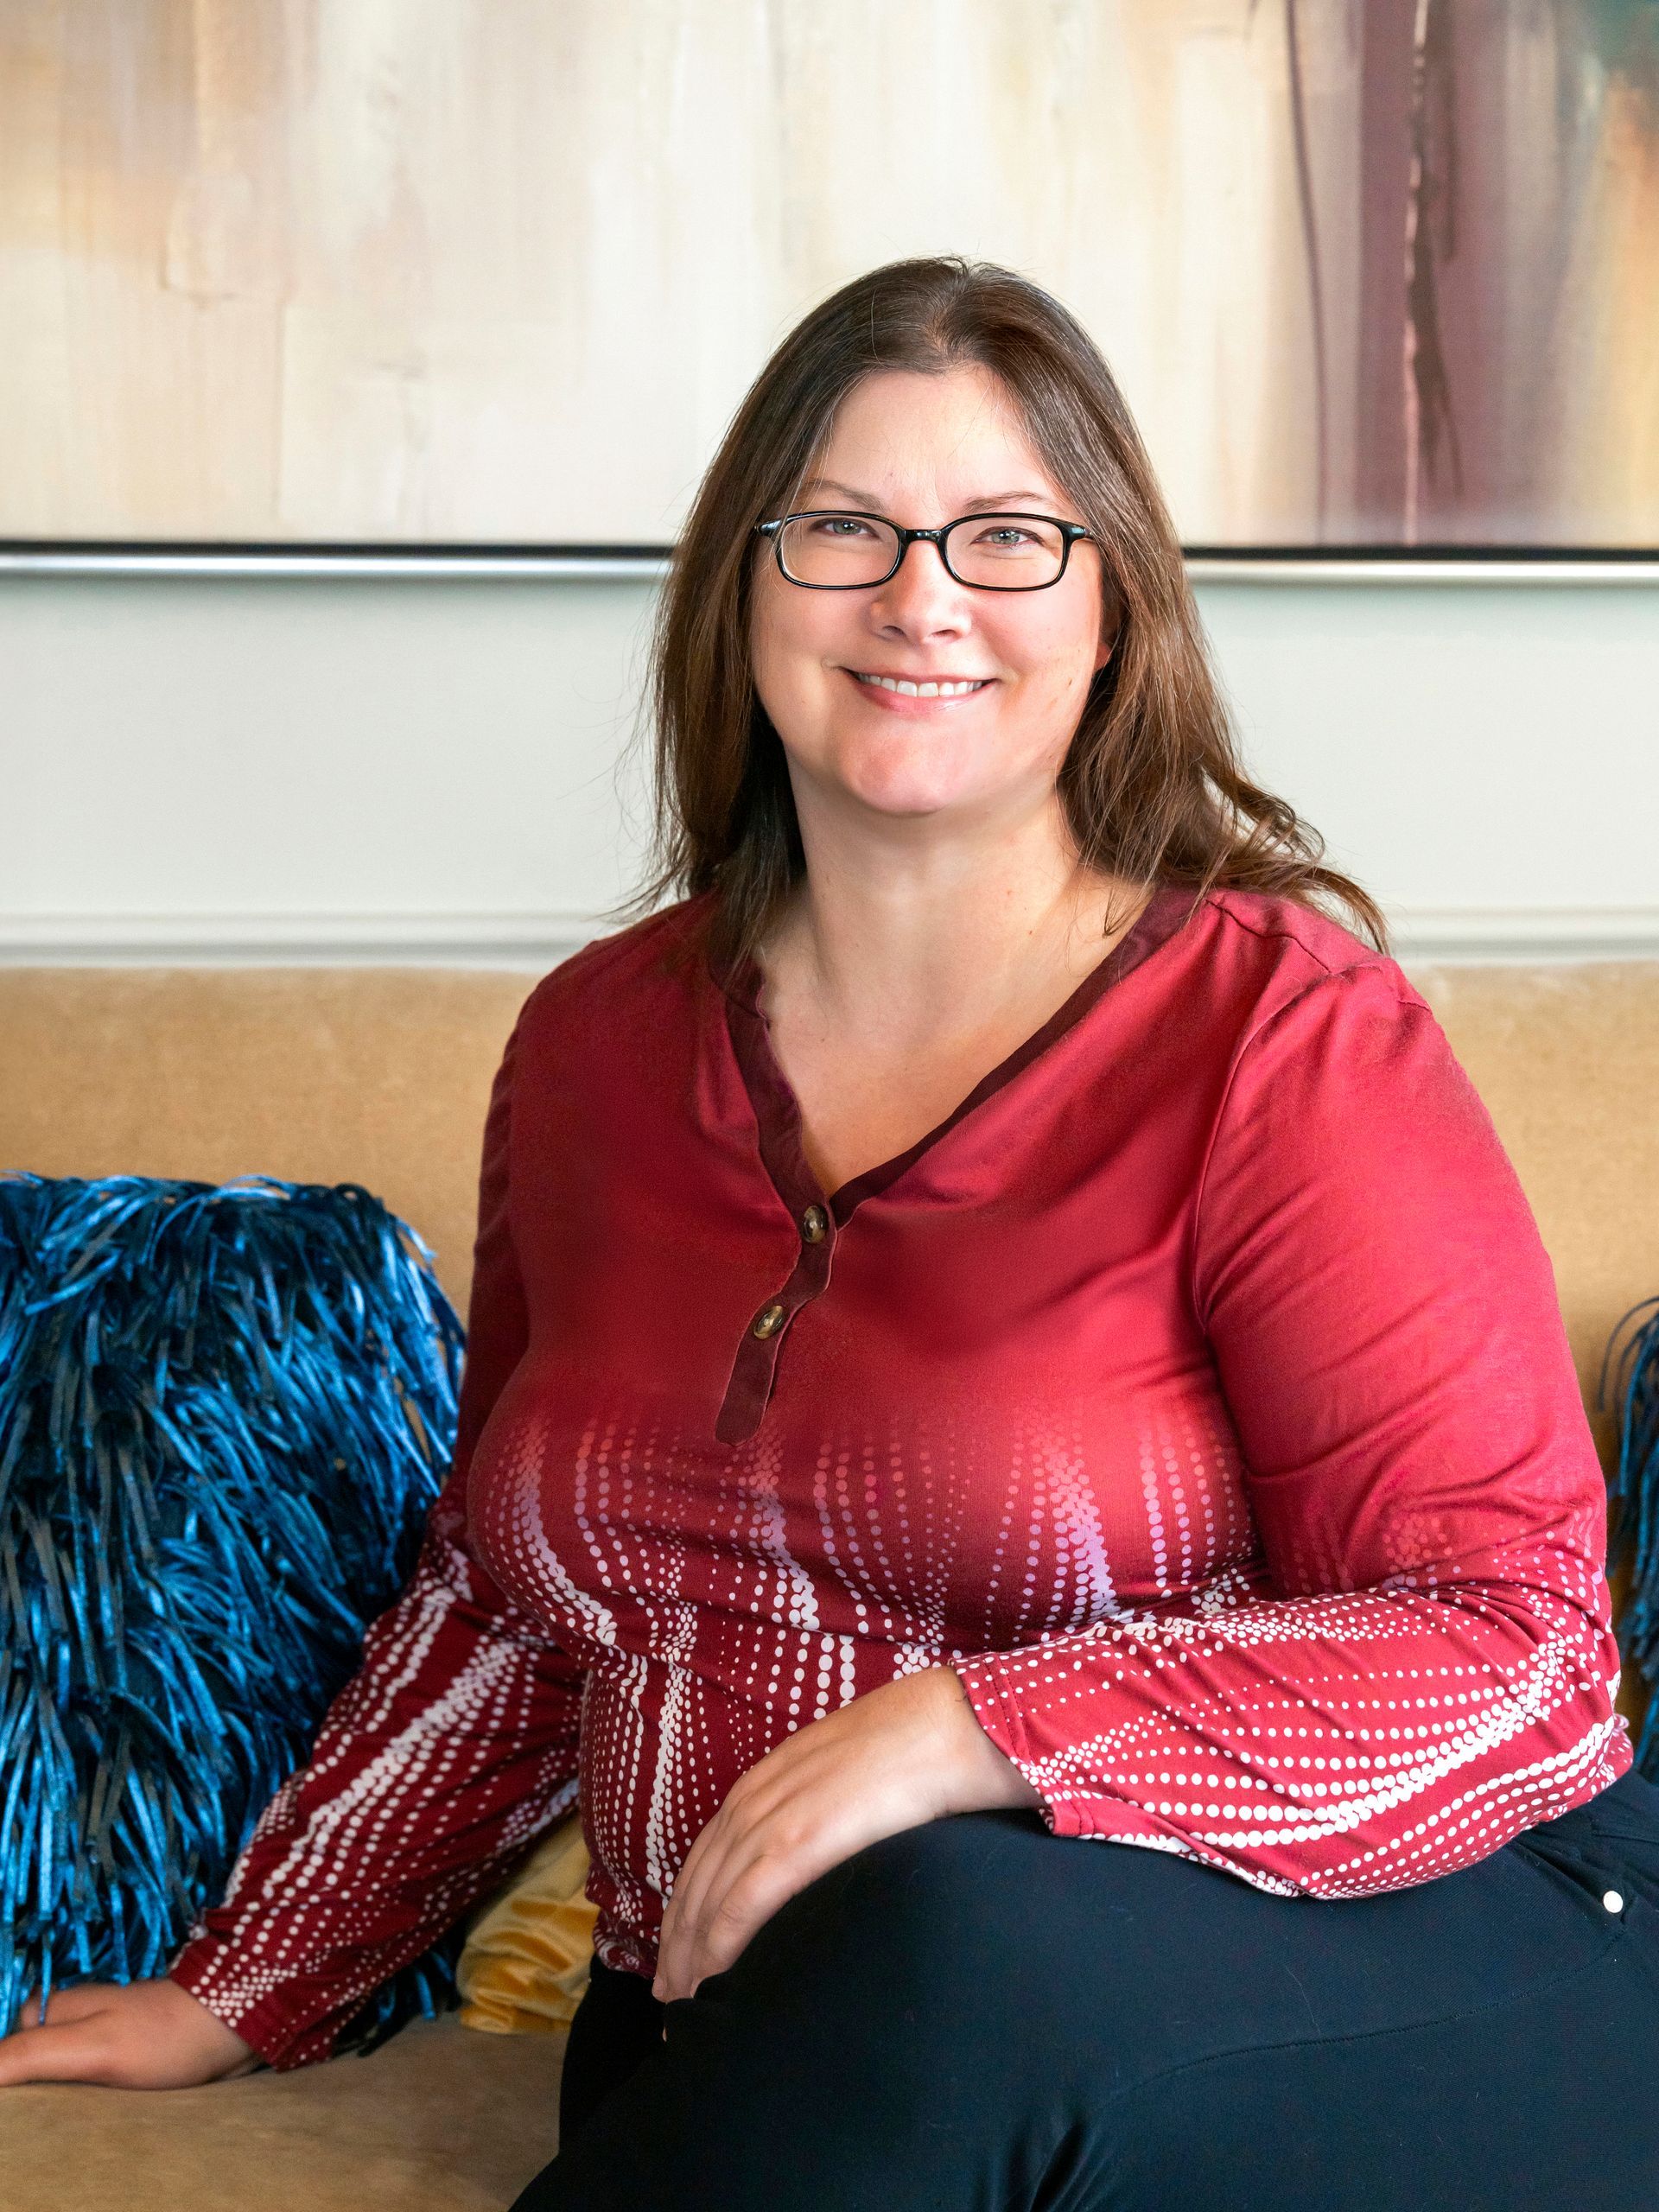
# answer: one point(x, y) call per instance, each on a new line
point(1152, 786)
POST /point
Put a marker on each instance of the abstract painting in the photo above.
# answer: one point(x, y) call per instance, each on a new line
point(1372, 274)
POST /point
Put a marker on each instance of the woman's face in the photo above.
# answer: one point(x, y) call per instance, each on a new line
point(922, 451)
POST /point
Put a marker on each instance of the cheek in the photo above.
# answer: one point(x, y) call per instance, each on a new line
point(1057, 660)
point(790, 636)
point(767, 636)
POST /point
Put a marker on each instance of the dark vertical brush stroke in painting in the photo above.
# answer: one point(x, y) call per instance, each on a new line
point(1384, 104)
point(1315, 288)
point(1488, 365)
point(1431, 456)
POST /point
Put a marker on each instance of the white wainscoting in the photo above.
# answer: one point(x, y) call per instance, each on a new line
point(258, 769)
point(538, 942)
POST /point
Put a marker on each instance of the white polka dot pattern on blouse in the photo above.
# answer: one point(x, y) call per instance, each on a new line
point(1199, 1395)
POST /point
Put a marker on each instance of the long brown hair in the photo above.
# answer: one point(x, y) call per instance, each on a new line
point(1152, 786)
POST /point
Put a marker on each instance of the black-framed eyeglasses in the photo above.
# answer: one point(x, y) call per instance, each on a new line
point(842, 548)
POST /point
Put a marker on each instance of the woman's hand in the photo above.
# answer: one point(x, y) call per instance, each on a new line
point(137, 2035)
point(895, 1758)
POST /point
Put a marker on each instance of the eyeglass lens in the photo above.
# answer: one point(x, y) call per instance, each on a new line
point(1006, 552)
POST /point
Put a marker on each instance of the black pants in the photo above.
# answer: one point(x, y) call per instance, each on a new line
point(977, 2016)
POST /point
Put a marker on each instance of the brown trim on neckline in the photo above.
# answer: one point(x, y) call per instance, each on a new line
point(777, 1112)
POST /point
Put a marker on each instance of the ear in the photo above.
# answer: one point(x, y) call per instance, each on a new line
point(1111, 630)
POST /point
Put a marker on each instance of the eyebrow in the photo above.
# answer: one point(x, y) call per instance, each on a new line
point(869, 498)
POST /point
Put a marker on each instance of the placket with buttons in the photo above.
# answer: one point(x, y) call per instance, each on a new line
point(754, 1369)
point(818, 1218)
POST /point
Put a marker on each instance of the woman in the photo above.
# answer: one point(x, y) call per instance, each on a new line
point(999, 1327)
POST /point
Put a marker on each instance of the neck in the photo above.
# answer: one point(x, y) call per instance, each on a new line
point(905, 954)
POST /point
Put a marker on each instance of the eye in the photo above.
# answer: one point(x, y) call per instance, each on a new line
point(1004, 536)
point(840, 527)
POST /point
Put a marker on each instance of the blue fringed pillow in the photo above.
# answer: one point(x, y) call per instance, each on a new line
point(1635, 1530)
point(224, 1412)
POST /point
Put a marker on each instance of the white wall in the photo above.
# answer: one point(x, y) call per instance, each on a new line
point(212, 768)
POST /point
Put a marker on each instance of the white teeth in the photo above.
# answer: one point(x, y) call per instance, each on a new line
point(925, 690)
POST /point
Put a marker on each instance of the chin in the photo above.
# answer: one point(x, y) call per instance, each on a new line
point(906, 798)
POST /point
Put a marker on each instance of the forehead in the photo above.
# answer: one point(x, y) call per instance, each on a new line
point(955, 436)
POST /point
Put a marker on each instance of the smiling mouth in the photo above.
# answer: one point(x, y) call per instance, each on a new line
point(929, 690)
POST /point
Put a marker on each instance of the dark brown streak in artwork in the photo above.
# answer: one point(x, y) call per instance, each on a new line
point(1311, 250)
point(1431, 237)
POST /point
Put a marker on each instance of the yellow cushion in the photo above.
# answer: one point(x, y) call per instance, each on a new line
point(524, 1966)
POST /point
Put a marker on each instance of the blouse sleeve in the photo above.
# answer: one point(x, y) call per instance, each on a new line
point(1422, 1665)
point(449, 1750)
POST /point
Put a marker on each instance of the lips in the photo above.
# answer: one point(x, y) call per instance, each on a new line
point(906, 687)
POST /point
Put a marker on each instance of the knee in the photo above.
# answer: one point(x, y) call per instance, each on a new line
point(925, 1900)
point(952, 1871)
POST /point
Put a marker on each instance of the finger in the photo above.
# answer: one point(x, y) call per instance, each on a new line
point(724, 1845)
point(769, 1881)
point(666, 1981)
point(764, 1819)
point(696, 1894)
point(687, 1884)
point(732, 1907)
point(76, 2053)
point(791, 1851)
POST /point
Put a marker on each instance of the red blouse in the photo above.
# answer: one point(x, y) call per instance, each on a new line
point(1197, 1389)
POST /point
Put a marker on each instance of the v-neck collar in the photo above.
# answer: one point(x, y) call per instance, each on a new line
point(778, 1111)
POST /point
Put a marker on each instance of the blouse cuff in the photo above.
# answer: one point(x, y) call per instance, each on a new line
point(982, 1679)
point(284, 2030)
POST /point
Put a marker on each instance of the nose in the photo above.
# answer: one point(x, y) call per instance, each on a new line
point(921, 597)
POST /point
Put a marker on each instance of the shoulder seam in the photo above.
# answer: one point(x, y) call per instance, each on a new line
point(1379, 968)
point(1365, 956)
point(600, 952)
